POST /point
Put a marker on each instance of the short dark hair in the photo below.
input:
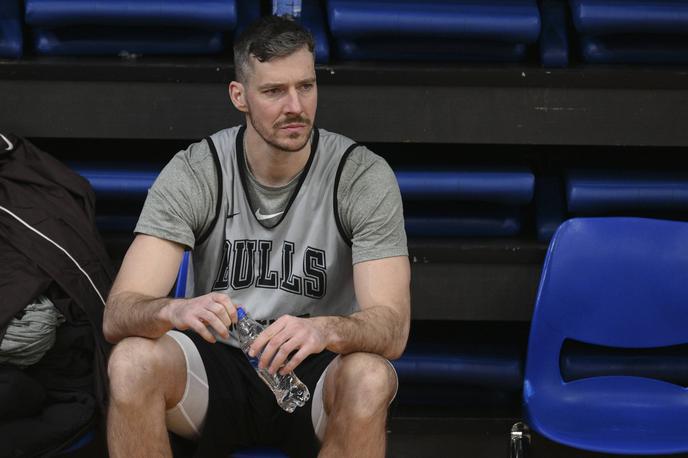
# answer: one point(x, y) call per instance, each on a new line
point(267, 38)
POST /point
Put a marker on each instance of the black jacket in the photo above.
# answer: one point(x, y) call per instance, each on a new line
point(54, 200)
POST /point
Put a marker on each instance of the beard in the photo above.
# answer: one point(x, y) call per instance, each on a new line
point(270, 137)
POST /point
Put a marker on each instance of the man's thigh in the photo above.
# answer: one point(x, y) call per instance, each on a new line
point(188, 417)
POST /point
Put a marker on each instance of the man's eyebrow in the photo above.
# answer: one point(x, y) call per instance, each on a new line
point(264, 86)
point(269, 86)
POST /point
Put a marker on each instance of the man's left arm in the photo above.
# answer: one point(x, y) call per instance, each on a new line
point(381, 326)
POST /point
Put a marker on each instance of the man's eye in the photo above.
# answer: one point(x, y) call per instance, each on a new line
point(307, 87)
point(272, 91)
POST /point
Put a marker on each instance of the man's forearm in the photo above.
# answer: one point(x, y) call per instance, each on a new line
point(381, 330)
point(132, 314)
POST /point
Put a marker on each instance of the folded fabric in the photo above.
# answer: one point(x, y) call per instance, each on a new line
point(30, 336)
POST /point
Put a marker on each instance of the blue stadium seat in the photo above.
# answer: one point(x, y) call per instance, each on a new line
point(554, 39)
point(477, 202)
point(85, 27)
point(592, 192)
point(11, 41)
point(86, 41)
point(493, 366)
point(509, 186)
point(426, 49)
point(313, 18)
point(436, 30)
point(515, 21)
point(496, 195)
point(632, 31)
point(607, 17)
point(550, 205)
point(504, 222)
point(617, 283)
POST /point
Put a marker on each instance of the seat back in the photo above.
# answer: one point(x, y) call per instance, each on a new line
point(182, 276)
point(617, 283)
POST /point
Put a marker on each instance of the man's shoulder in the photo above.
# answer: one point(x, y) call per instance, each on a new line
point(360, 155)
point(225, 139)
point(200, 151)
point(331, 141)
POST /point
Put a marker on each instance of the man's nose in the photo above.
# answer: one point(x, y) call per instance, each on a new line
point(293, 102)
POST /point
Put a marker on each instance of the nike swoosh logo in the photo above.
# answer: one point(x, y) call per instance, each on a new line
point(262, 217)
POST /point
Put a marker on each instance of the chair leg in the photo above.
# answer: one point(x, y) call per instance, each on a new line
point(519, 441)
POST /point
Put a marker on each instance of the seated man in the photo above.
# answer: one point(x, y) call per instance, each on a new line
point(301, 226)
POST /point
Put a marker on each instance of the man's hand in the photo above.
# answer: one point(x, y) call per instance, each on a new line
point(287, 335)
point(215, 310)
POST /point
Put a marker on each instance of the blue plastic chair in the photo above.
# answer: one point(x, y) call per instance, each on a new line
point(614, 282)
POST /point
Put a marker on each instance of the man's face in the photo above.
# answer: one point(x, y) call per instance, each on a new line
point(281, 99)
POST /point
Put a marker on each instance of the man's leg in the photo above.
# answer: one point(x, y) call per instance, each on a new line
point(147, 377)
point(357, 392)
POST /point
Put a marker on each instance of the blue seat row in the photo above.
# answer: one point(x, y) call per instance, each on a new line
point(468, 202)
point(632, 31)
point(496, 30)
point(433, 197)
point(584, 192)
point(606, 31)
point(129, 27)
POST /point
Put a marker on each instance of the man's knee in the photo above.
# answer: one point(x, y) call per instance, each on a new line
point(137, 369)
point(365, 383)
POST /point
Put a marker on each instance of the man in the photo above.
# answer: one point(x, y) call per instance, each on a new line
point(300, 226)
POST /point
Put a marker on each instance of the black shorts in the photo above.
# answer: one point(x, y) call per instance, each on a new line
point(243, 411)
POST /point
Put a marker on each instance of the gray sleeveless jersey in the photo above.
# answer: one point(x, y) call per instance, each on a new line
point(301, 266)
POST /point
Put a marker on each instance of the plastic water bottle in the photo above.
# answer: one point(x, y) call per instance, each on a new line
point(289, 391)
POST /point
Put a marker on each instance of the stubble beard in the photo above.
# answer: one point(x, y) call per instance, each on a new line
point(279, 145)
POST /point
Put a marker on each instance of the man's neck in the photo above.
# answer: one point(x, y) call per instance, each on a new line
point(271, 166)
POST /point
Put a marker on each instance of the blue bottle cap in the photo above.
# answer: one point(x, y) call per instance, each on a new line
point(241, 313)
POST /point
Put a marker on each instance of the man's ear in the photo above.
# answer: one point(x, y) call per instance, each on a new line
point(238, 96)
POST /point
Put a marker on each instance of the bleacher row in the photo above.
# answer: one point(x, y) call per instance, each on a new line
point(468, 202)
point(554, 33)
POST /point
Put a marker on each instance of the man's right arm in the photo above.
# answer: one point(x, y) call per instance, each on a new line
point(138, 304)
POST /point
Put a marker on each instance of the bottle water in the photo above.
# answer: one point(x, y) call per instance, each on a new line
point(289, 391)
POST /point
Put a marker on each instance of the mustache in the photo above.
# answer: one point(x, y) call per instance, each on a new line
point(293, 120)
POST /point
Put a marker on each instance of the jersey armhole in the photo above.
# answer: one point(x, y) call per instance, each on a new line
point(218, 203)
point(340, 168)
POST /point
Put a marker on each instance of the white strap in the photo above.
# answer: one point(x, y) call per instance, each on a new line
point(58, 246)
point(10, 146)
